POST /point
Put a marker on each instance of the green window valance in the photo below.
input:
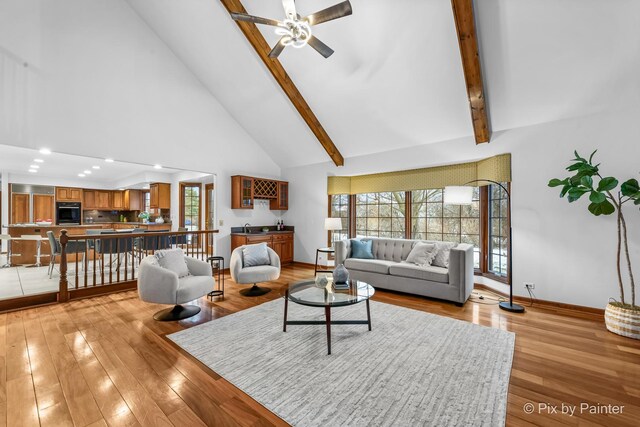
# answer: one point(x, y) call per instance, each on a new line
point(497, 168)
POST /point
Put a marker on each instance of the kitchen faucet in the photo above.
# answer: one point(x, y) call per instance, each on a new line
point(246, 230)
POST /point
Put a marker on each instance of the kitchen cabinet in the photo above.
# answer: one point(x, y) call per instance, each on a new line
point(89, 199)
point(160, 196)
point(103, 200)
point(68, 194)
point(43, 207)
point(246, 189)
point(133, 200)
point(281, 202)
point(117, 200)
point(241, 192)
point(20, 207)
point(280, 242)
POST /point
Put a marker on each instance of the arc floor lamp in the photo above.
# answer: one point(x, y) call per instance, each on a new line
point(463, 195)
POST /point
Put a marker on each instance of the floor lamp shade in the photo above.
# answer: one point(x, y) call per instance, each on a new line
point(458, 195)
point(333, 224)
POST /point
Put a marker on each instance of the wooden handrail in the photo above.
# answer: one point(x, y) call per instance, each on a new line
point(108, 262)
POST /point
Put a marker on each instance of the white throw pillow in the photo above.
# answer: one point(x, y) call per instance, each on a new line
point(173, 260)
point(443, 250)
point(422, 254)
point(254, 255)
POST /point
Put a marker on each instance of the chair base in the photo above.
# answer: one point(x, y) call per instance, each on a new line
point(178, 312)
point(255, 291)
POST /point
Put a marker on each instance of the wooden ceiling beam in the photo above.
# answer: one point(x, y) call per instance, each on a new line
point(467, 38)
point(276, 69)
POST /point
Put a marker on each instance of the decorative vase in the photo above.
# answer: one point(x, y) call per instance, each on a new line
point(622, 321)
point(321, 281)
point(340, 274)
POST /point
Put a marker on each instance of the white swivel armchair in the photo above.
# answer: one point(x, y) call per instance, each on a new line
point(163, 286)
point(252, 275)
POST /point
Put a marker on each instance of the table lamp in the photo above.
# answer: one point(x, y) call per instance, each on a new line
point(332, 224)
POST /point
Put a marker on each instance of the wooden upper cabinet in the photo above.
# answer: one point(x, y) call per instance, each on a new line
point(43, 207)
point(133, 200)
point(241, 192)
point(281, 202)
point(68, 194)
point(245, 189)
point(103, 200)
point(20, 206)
point(160, 196)
point(89, 200)
point(117, 200)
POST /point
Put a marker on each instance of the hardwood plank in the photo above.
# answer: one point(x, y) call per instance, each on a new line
point(21, 402)
point(258, 42)
point(467, 39)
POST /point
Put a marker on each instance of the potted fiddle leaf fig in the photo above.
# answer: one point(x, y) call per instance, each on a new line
point(606, 198)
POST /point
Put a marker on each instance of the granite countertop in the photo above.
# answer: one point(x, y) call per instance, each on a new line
point(258, 233)
point(257, 230)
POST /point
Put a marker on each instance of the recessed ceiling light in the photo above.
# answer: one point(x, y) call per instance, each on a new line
point(33, 170)
point(108, 160)
point(81, 175)
point(88, 172)
point(34, 167)
point(45, 151)
point(157, 167)
point(95, 167)
point(38, 160)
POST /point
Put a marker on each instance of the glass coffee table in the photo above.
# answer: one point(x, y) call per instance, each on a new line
point(307, 293)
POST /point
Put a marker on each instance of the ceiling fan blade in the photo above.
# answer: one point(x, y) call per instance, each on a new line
point(277, 49)
point(334, 12)
point(322, 48)
point(289, 8)
point(255, 19)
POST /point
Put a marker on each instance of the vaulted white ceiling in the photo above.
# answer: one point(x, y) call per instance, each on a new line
point(396, 78)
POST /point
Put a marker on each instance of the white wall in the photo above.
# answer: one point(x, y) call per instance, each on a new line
point(100, 83)
point(568, 253)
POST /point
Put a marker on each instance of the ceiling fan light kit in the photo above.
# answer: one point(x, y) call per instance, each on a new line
point(295, 30)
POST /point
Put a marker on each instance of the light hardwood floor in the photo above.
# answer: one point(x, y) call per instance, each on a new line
point(105, 361)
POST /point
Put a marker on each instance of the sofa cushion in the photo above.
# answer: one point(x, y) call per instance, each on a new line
point(361, 249)
point(173, 260)
point(254, 255)
point(257, 274)
point(434, 274)
point(371, 265)
point(422, 254)
point(442, 255)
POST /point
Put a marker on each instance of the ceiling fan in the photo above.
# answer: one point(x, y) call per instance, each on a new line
point(295, 30)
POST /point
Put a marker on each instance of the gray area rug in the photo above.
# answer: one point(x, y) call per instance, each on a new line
point(413, 368)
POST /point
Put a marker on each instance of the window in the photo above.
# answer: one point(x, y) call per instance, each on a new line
point(498, 231)
point(483, 224)
point(431, 219)
point(339, 208)
point(190, 206)
point(380, 214)
point(147, 201)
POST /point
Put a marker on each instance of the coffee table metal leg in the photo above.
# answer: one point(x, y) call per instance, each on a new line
point(286, 306)
point(368, 315)
point(327, 314)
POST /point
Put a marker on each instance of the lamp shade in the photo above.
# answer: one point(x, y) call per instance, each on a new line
point(457, 195)
point(332, 224)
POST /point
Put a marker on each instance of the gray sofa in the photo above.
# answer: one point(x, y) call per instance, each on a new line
point(387, 271)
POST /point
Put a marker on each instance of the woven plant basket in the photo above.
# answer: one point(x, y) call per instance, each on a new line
point(622, 321)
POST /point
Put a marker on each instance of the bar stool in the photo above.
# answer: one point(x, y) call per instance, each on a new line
point(7, 238)
point(38, 239)
point(217, 268)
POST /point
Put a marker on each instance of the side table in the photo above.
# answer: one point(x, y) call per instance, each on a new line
point(318, 252)
point(217, 267)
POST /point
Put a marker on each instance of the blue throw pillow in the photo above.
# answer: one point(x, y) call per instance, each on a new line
point(361, 249)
